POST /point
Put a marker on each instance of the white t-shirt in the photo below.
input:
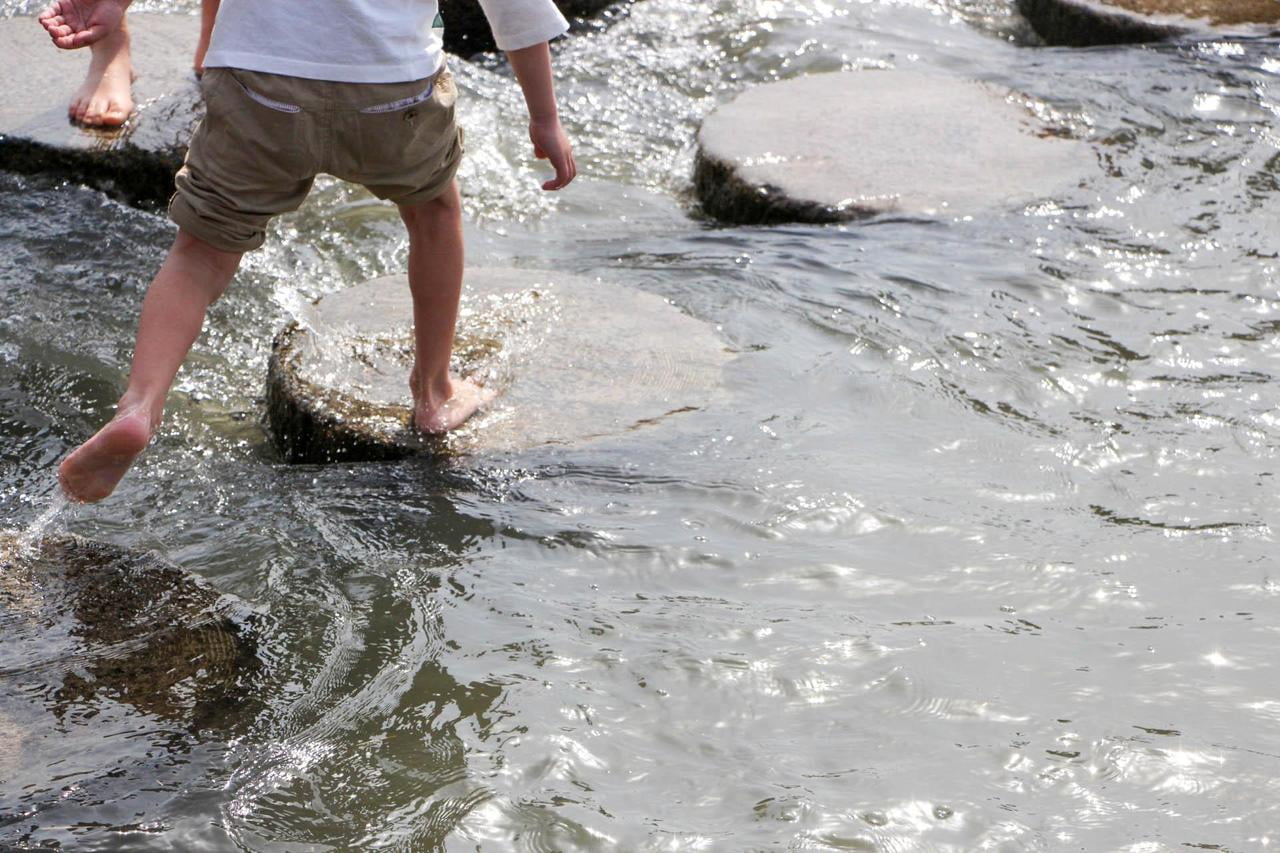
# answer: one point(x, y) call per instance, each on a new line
point(360, 41)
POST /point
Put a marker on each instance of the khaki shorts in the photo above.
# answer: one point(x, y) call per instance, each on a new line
point(265, 137)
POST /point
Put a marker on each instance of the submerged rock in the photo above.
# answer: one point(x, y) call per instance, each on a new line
point(466, 32)
point(571, 359)
point(122, 678)
point(1087, 22)
point(135, 163)
point(836, 147)
point(102, 621)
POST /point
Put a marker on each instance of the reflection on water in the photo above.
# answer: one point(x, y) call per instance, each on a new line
point(977, 554)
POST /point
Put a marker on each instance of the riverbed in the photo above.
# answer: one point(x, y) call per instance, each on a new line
point(973, 553)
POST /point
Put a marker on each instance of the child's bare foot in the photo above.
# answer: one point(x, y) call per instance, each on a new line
point(464, 400)
point(93, 469)
point(105, 98)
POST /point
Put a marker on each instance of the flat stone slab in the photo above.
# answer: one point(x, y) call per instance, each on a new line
point(571, 359)
point(1081, 23)
point(466, 31)
point(837, 147)
point(135, 163)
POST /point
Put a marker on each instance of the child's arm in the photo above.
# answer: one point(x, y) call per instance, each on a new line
point(77, 23)
point(533, 69)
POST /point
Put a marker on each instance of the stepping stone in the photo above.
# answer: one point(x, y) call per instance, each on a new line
point(1081, 23)
point(466, 31)
point(836, 147)
point(96, 642)
point(571, 359)
point(135, 163)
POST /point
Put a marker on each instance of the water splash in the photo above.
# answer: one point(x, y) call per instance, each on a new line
point(302, 311)
point(29, 540)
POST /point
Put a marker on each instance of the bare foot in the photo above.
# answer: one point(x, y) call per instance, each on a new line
point(93, 469)
point(465, 399)
point(105, 98)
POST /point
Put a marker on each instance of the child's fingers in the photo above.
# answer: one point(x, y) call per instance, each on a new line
point(563, 164)
point(55, 26)
point(53, 10)
point(73, 40)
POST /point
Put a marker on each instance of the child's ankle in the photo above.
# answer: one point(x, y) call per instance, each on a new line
point(131, 404)
point(433, 391)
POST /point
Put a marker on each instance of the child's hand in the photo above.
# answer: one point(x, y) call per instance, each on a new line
point(551, 143)
point(77, 23)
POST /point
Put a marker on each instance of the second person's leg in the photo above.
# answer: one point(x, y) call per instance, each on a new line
point(105, 98)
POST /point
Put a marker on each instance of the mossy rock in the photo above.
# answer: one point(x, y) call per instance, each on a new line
point(1082, 23)
point(96, 620)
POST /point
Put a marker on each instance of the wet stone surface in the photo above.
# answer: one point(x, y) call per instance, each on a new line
point(135, 163)
point(571, 360)
point(1089, 22)
point(116, 670)
point(834, 147)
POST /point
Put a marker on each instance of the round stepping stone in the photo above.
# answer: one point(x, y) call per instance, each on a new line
point(836, 147)
point(135, 163)
point(467, 32)
point(1087, 22)
point(97, 641)
point(571, 359)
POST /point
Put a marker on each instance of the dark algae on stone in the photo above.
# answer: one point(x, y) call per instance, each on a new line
point(1081, 23)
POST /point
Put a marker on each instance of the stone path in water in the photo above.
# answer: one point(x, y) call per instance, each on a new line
point(572, 360)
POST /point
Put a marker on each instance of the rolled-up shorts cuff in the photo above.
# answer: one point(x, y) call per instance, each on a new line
point(190, 220)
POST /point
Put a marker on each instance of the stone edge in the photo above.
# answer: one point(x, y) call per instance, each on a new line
point(130, 174)
point(726, 196)
point(305, 430)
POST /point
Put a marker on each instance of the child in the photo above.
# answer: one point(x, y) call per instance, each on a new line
point(105, 98)
point(353, 88)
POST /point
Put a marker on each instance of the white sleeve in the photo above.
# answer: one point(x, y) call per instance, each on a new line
point(522, 23)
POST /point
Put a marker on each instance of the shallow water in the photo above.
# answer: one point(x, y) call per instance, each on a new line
point(975, 554)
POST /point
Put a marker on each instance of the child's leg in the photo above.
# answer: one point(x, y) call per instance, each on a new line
point(440, 402)
point(191, 279)
point(208, 14)
point(105, 98)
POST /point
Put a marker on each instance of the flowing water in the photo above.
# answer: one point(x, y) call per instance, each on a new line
point(974, 554)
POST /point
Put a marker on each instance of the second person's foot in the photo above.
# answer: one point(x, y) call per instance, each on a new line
point(105, 98)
